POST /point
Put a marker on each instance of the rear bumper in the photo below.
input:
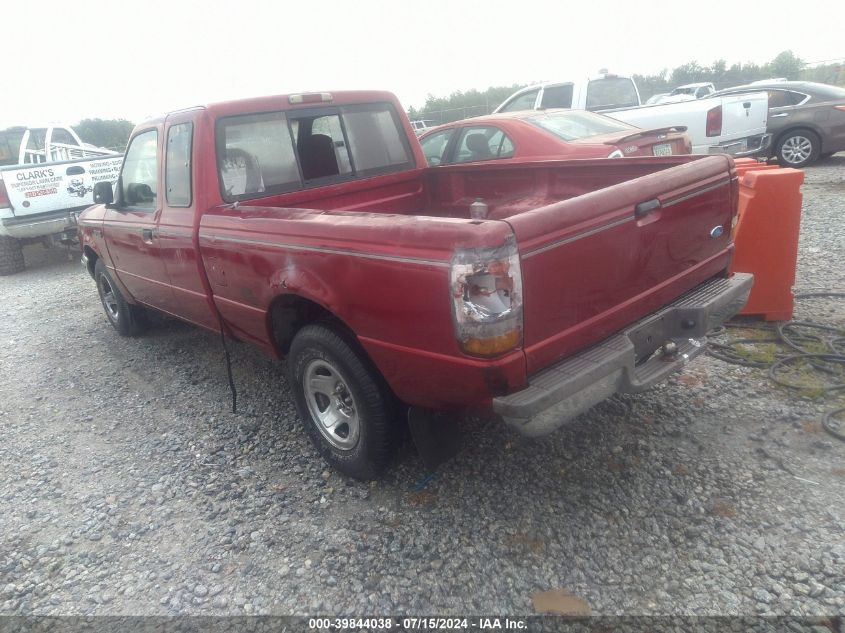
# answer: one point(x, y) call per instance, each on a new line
point(39, 225)
point(750, 146)
point(560, 392)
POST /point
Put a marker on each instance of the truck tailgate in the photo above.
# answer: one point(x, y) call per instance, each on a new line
point(595, 263)
point(744, 115)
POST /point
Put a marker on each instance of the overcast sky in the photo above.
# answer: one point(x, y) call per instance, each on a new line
point(72, 59)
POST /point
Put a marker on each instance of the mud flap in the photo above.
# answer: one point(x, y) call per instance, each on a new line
point(437, 435)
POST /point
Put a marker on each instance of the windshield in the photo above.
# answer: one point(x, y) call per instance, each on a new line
point(573, 124)
point(611, 92)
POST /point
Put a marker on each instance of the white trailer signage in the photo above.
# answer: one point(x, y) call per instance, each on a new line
point(46, 187)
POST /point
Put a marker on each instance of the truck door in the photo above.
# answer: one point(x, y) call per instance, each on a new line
point(182, 194)
point(130, 225)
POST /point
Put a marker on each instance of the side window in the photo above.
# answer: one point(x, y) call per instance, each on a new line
point(779, 98)
point(795, 97)
point(177, 165)
point(524, 101)
point(434, 147)
point(557, 96)
point(255, 155)
point(483, 143)
point(140, 171)
point(375, 138)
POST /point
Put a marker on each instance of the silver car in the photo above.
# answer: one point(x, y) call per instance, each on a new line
point(806, 119)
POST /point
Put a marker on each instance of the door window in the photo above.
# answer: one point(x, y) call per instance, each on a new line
point(524, 101)
point(434, 147)
point(138, 180)
point(177, 165)
point(483, 143)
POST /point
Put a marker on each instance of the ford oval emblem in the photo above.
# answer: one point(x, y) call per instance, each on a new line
point(717, 231)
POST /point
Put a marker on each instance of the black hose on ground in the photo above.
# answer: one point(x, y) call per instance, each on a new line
point(822, 349)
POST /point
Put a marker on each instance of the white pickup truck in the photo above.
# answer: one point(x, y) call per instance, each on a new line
point(730, 125)
point(46, 175)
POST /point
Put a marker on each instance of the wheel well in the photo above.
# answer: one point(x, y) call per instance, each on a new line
point(290, 313)
point(797, 128)
point(92, 259)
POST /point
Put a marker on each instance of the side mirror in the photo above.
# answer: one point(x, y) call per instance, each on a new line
point(103, 193)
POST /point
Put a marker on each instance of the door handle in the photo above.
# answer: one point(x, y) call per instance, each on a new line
point(644, 208)
point(777, 116)
point(147, 234)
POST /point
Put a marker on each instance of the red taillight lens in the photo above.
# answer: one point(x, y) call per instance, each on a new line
point(842, 107)
point(4, 197)
point(714, 121)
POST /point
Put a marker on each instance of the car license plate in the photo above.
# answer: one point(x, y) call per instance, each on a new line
point(664, 149)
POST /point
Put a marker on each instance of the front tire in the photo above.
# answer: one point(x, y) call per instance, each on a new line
point(125, 318)
point(798, 148)
point(11, 255)
point(343, 404)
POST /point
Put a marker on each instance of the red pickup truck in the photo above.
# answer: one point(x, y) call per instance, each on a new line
point(309, 225)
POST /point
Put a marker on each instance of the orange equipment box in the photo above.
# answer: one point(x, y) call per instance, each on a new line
point(766, 237)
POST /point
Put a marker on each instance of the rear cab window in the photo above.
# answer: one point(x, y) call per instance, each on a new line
point(557, 96)
point(274, 152)
point(611, 92)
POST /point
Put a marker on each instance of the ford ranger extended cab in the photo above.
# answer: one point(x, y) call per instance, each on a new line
point(310, 226)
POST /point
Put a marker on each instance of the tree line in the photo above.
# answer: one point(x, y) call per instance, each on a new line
point(109, 133)
point(463, 104)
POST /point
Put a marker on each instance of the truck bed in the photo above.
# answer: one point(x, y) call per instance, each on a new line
point(590, 263)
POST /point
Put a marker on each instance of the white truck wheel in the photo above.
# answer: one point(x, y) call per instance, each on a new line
point(11, 255)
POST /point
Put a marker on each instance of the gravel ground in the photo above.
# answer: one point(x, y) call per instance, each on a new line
point(128, 487)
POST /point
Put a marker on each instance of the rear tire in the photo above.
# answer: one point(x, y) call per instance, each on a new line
point(11, 255)
point(343, 404)
point(124, 317)
point(798, 148)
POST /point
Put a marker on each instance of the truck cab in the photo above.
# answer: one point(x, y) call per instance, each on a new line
point(605, 91)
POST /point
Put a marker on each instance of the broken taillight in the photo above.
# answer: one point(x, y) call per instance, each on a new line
point(486, 285)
